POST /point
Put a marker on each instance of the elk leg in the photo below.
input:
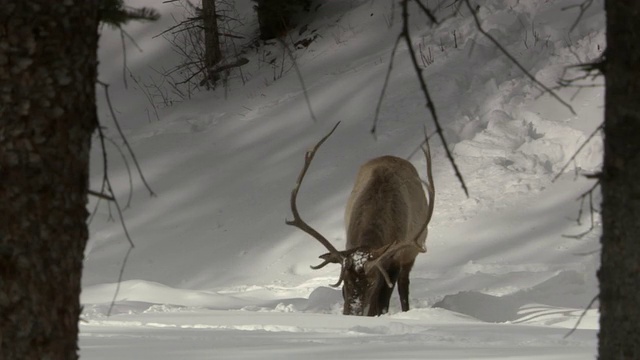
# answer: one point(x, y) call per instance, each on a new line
point(403, 286)
point(384, 293)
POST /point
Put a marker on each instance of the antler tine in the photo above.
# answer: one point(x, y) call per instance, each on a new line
point(339, 280)
point(388, 252)
point(320, 266)
point(384, 273)
point(430, 189)
point(297, 220)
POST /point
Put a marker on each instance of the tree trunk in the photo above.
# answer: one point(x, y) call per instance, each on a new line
point(212, 53)
point(619, 274)
point(47, 115)
point(275, 17)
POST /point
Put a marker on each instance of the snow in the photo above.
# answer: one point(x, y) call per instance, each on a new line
point(216, 273)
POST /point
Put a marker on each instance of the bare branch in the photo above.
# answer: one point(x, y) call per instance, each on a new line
point(126, 164)
point(239, 62)
point(514, 60)
point(124, 33)
point(591, 72)
point(100, 195)
point(575, 327)
point(109, 189)
point(587, 253)
point(426, 11)
point(405, 34)
point(591, 136)
point(583, 8)
point(419, 146)
point(178, 25)
point(592, 210)
point(120, 277)
point(299, 74)
point(124, 59)
point(384, 86)
point(111, 196)
point(104, 170)
point(124, 138)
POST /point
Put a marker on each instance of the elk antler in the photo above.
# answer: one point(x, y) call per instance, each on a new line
point(430, 189)
point(334, 256)
point(387, 252)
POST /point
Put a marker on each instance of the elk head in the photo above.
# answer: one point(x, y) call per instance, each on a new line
point(381, 248)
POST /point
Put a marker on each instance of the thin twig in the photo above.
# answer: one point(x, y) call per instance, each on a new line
point(124, 59)
point(587, 253)
point(426, 11)
point(106, 181)
point(584, 313)
point(590, 71)
point(131, 245)
point(104, 170)
point(591, 136)
point(583, 8)
point(133, 41)
point(587, 194)
point(107, 186)
point(100, 195)
point(146, 94)
point(384, 86)
point(111, 196)
point(119, 210)
point(120, 277)
point(427, 95)
point(172, 27)
point(126, 164)
point(419, 147)
point(300, 78)
point(514, 60)
point(124, 138)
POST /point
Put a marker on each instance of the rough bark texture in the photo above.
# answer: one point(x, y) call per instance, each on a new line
point(47, 115)
point(212, 52)
point(619, 274)
point(276, 17)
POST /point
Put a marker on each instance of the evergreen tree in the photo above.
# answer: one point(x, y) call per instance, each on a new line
point(48, 66)
point(619, 275)
point(47, 116)
point(116, 13)
point(276, 17)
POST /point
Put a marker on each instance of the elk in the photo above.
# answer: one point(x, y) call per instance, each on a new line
point(386, 222)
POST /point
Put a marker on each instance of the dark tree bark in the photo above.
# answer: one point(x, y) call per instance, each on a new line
point(47, 116)
point(212, 53)
point(276, 17)
point(619, 274)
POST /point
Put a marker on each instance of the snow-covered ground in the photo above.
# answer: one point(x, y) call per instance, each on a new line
point(216, 273)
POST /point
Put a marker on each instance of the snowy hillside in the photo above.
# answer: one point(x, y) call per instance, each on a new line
point(216, 273)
